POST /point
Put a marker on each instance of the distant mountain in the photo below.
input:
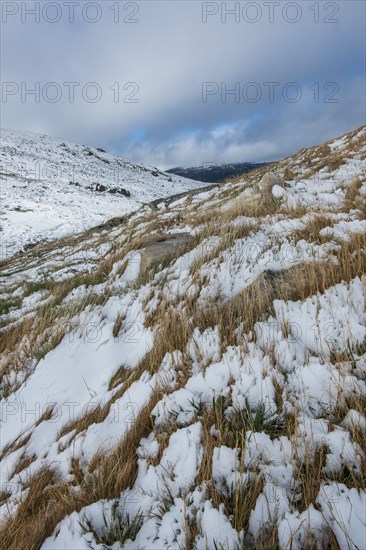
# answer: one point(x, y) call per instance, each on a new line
point(213, 173)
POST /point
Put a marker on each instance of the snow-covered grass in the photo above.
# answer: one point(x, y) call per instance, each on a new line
point(213, 399)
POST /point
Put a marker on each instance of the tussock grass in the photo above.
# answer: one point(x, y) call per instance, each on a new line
point(120, 376)
point(308, 477)
point(117, 471)
point(9, 304)
point(49, 498)
point(22, 464)
point(311, 229)
point(47, 501)
point(118, 324)
point(228, 234)
point(289, 174)
point(34, 336)
point(173, 333)
point(255, 206)
point(116, 528)
point(239, 499)
point(44, 506)
point(354, 200)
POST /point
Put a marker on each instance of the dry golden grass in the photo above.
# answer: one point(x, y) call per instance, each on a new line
point(121, 375)
point(358, 435)
point(352, 193)
point(268, 539)
point(240, 499)
point(309, 476)
point(49, 499)
point(110, 475)
point(297, 283)
point(118, 324)
point(311, 229)
point(44, 505)
point(354, 200)
point(257, 206)
point(255, 303)
point(227, 234)
point(35, 336)
point(172, 334)
point(22, 464)
point(288, 174)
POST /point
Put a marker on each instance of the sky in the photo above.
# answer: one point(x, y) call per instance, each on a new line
point(183, 83)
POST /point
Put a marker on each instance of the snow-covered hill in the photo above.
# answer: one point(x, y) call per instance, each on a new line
point(50, 188)
point(194, 376)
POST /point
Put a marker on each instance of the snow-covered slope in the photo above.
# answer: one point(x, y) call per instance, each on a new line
point(194, 377)
point(49, 188)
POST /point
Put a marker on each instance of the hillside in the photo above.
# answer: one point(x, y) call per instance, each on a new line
point(193, 375)
point(214, 173)
point(51, 189)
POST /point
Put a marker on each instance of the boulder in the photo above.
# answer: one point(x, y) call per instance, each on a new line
point(269, 180)
point(99, 187)
point(119, 191)
point(162, 248)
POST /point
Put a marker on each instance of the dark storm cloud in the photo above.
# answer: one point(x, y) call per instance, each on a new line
point(164, 76)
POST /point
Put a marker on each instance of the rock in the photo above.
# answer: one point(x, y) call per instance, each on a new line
point(162, 248)
point(99, 187)
point(119, 191)
point(101, 150)
point(269, 180)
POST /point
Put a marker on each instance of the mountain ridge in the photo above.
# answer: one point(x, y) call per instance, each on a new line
point(215, 173)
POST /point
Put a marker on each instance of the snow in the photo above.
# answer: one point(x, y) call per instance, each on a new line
point(226, 468)
point(88, 357)
point(39, 203)
point(217, 530)
point(354, 420)
point(344, 511)
point(294, 529)
point(278, 192)
point(302, 363)
point(344, 229)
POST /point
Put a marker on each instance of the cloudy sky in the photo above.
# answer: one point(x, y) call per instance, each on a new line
point(183, 83)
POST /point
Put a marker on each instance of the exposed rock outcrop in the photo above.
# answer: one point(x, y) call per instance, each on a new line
point(161, 248)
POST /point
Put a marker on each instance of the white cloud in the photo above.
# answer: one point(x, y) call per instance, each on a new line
point(169, 54)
